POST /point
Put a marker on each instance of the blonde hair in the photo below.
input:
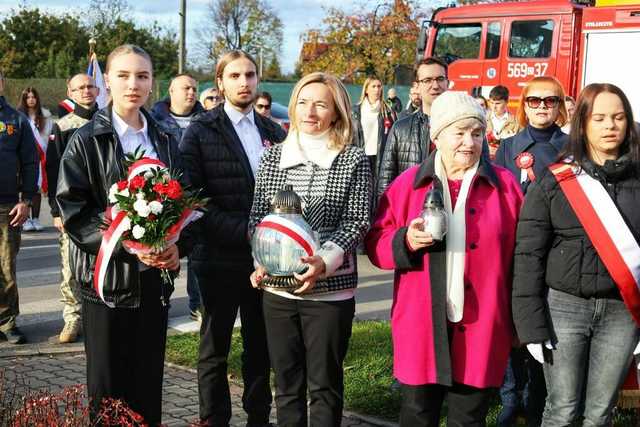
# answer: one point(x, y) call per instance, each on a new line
point(521, 115)
point(365, 86)
point(341, 132)
point(124, 50)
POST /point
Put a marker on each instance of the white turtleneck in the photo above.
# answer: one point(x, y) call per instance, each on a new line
point(301, 148)
point(369, 120)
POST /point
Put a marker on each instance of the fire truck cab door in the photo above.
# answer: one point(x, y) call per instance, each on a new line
point(529, 50)
point(606, 60)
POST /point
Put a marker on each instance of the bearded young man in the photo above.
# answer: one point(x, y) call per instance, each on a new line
point(221, 150)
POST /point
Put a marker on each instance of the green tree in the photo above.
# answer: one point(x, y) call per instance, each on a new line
point(272, 71)
point(37, 44)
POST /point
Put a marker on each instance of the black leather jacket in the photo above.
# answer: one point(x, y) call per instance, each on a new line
point(407, 146)
point(91, 163)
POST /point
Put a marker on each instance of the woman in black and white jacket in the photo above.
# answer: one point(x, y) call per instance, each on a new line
point(333, 178)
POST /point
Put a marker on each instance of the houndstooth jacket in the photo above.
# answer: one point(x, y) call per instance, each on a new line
point(336, 204)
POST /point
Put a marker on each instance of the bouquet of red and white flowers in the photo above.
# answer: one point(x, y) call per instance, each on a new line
point(149, 210)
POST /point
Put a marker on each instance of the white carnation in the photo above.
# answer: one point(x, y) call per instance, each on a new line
point(126, 223)
point(112, 193)
point(148, 175)
point(124, 193)
point(156, 207)
point(142, 208)
point(140, 195)
point(137, 232)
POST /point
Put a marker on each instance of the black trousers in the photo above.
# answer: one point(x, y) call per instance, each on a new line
point(308, 341)
point(222, 295)
point(421, 405)
point(125, 351)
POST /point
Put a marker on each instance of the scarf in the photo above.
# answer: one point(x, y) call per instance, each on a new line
point(369, 119)
point(456, 239)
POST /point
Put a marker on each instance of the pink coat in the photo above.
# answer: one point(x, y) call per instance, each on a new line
point(428, 349)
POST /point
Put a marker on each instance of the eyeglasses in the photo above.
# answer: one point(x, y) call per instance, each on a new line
point(212, 98)
point(82, 88)
point(535, 101)
point(263, 107)
point(429, 80)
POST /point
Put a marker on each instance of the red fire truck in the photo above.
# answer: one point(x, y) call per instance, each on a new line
point(510, 43)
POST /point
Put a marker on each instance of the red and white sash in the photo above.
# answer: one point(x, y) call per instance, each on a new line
point(607, 230)
point(291, 229)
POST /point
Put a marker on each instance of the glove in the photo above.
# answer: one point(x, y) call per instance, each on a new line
point(537, 350)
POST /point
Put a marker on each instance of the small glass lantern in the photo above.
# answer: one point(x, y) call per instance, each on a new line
point(281, 239)
point(434, 215)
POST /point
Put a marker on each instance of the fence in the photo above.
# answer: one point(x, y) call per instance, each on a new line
point(52, 91)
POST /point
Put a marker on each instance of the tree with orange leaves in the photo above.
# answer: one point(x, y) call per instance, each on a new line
point(371, 42)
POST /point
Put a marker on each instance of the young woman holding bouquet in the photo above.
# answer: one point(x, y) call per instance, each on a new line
point(308, 330)
point(125, 328)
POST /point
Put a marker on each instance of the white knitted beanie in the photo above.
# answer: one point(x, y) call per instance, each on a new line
point(452, 106)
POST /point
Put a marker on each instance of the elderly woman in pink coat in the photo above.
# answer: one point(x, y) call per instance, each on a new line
point(451, 315)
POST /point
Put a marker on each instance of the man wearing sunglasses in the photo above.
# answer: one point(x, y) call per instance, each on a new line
point(263, 105)
point(408, 143)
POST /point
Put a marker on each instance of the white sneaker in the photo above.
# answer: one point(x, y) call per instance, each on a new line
point(28, 225)
point(36, 224)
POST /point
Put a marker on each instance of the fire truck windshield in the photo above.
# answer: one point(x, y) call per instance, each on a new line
point(458, 41)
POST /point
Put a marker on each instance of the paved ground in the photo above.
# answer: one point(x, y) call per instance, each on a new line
point(45, 364)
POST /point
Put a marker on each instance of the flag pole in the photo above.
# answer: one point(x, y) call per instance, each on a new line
point(92, 47)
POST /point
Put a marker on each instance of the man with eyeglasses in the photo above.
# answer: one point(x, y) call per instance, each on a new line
point(82, 91)
point(174, 114)
point(409, 144)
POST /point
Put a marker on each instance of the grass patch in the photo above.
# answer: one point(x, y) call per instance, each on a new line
point(368, 381)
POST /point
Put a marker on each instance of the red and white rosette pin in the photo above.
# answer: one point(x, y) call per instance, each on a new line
point(292, 230)
point(525, 161)
point(117, 227)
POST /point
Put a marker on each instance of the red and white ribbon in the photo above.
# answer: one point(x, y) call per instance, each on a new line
point(292, 230)
point(607, 230)
point(118, 226)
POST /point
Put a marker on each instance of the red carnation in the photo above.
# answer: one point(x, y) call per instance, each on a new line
point(159, 188)
point(137, 182)
point(122, 184)
point(174, 189)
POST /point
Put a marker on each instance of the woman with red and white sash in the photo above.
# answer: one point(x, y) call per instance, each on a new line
point(576, 302)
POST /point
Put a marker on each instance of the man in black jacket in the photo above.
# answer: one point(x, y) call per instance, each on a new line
point(174, 114)
point(82, 90)
point(18, 184)
point(409, 144)
point(221, 150)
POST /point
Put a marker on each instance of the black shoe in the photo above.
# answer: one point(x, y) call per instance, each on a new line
point(14, 336)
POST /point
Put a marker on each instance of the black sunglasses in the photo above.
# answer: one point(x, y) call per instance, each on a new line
point(212, 98)
point(263, 106)
point(549, 101)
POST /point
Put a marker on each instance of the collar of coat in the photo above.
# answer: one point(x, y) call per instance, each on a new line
point(102, 123)
point(217, 118)
point(523, 140)
point(427, 172)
